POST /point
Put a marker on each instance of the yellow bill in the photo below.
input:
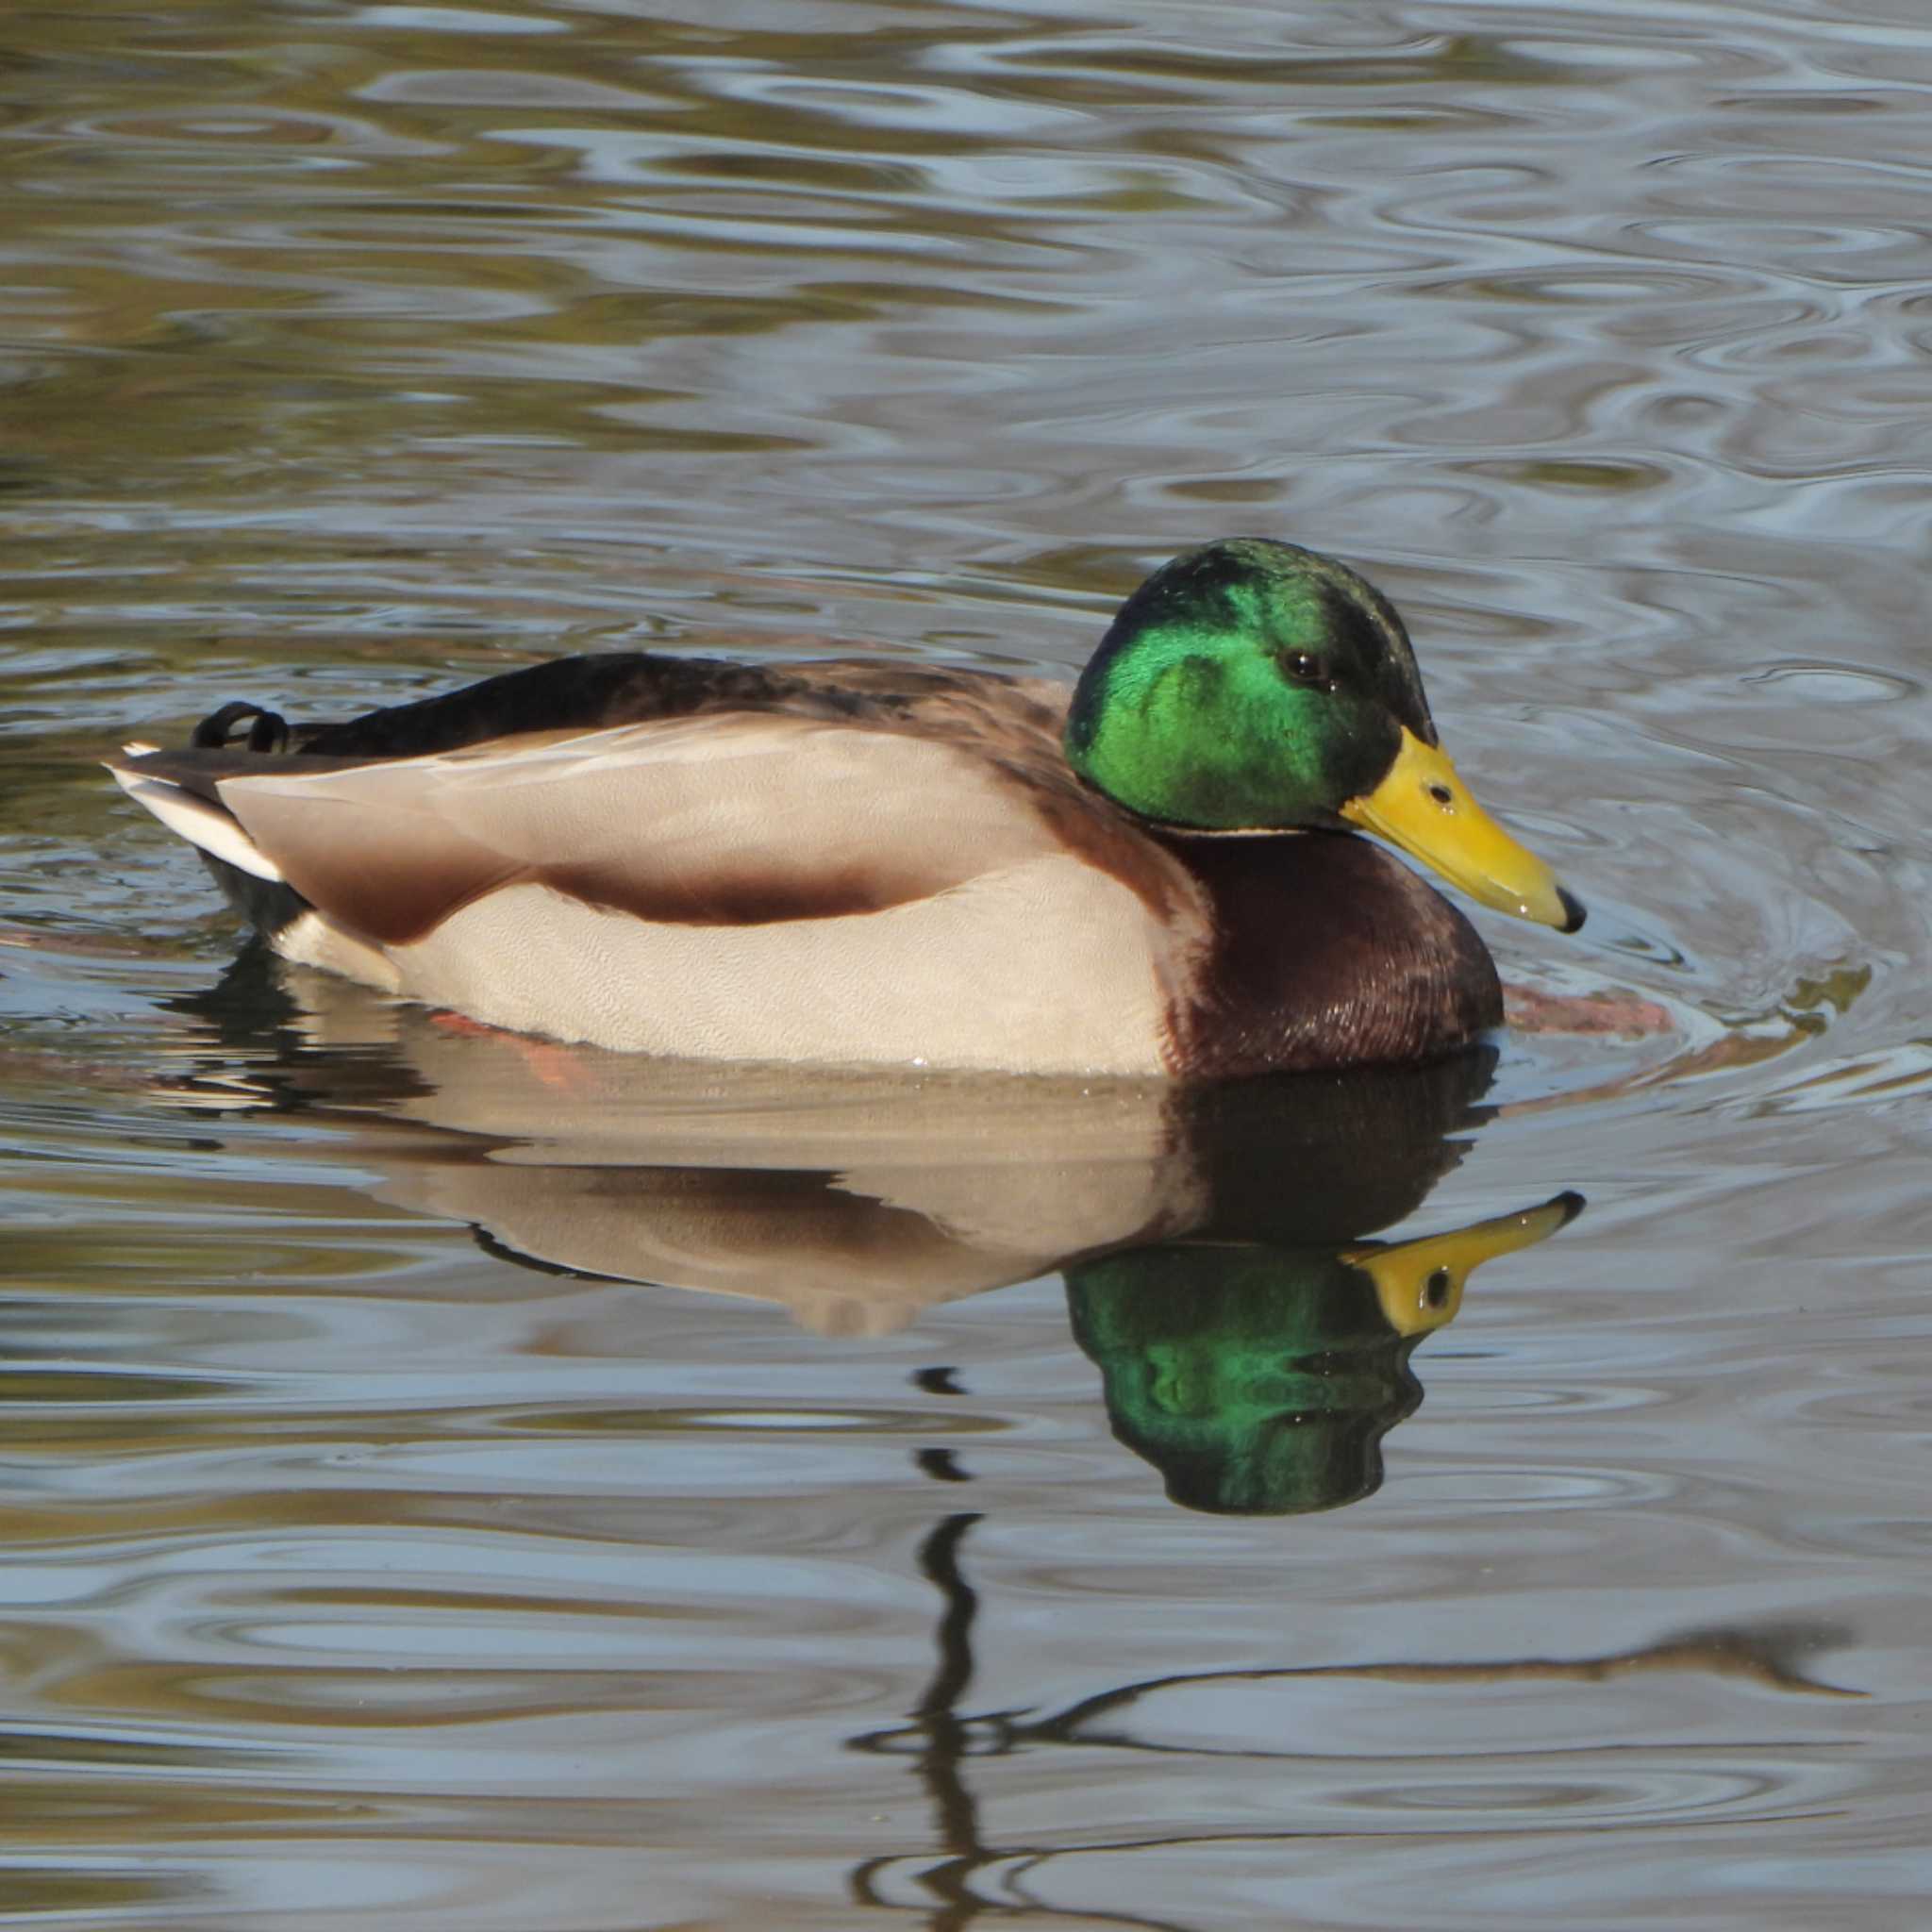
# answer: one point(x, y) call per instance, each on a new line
point(1426, 810)
point(1420, 1282)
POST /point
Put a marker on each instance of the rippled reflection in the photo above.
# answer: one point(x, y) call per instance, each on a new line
point(1252, 1341)
point(1260, 1378)
point(968, 1875)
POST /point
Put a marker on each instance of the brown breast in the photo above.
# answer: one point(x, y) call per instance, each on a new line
point(1326, 952)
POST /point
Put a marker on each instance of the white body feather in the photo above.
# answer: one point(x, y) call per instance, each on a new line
point(993, 945)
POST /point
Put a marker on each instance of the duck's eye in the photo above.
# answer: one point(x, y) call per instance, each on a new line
point(1306, 668)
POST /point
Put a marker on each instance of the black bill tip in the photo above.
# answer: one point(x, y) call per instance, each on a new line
point(1572, 908)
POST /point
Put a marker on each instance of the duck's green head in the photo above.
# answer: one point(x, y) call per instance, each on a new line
point(1253, 686)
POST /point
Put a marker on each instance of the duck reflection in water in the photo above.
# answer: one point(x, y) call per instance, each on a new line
point(1260, 1379)
point(1253, 1339)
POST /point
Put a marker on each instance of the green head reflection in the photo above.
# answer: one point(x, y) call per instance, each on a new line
point(1261, 1380)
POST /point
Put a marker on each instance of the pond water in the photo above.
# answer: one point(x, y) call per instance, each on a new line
point(457, 1482)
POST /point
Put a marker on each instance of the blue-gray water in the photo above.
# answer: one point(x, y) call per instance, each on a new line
point(376, 1554)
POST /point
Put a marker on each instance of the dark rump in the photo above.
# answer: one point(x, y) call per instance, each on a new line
point(584, 693)
point(608, 689)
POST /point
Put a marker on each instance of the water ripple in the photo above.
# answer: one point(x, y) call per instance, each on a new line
point(361, 1571)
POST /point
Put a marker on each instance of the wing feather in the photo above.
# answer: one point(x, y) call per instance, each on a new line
point(713, 821)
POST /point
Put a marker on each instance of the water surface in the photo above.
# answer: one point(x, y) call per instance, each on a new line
point(454, 1483)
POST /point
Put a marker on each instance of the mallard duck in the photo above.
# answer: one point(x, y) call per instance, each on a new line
point(859, 861)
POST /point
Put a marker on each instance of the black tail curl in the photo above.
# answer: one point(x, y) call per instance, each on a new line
point(216, 732)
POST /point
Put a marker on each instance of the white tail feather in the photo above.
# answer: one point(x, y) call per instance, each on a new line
point(198, 822)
